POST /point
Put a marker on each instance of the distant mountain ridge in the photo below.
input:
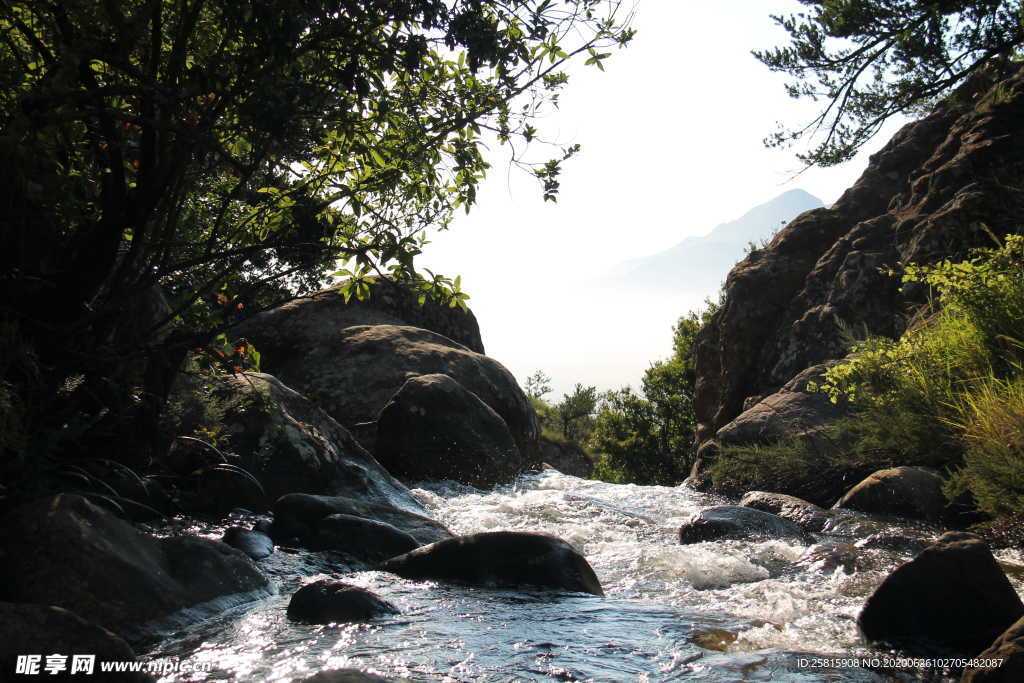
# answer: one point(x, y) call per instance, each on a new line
point(703, 262)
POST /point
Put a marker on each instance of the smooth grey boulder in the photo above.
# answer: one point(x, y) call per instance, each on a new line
point(362, 538)
point(501, 559)
point(46, 629)
point(66, 551)
point(298, 515)
point(914, 492)
point(327, 601)
point(735, 522)
point(433, 428)
point(255, 544)
point(806, 515)
point(951, 597)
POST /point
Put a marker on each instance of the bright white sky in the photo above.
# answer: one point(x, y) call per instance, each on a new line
point(672, 146)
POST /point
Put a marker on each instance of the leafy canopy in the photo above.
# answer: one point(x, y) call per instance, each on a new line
point(872, 59)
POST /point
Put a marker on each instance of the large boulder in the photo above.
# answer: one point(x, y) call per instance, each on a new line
point(952, 597)
point(363, 539)
point(735, 522)
point(500, 559)
point(807, 516)
point(901, 491)
point(293, 446)
point(931, 193)
point(353, 372)
point(43, 630)
point(327, 601)
point(66, 551)
point(432, 428)
point(299, 516)
point(1003, 661)
point(566, 457)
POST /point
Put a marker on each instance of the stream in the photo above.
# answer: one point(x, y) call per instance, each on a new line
point(715, 611)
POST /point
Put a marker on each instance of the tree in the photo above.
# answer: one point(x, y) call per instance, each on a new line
point(574, 408)
point(537, 385)
point(872, 59)
point(223, 155)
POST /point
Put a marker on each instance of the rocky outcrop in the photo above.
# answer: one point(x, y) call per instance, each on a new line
point(66, 551)
point(733, 521)
point(566, 457)
point(353, 372)
point(45, 629)
point(952, 596)
point(299, 515)
point(900, 491)
point(1003, 661)
point(292, 446)
point(807, 516)
point(929, 194)
point(433, 428)
point(327, 601)
point(500, 559)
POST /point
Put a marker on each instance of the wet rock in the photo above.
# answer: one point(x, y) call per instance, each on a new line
point(255, 544)
point(1005, 659)
point(66, 551)
point(828, 556)
point(349, 676)
point(924, 197)
point(500, 559)
point(292, 446)
point(913, 492)
point(298, 515)
point(328, 601)
point(433, 428)
point(952, 596)
point(807, 516)
point(45, 629)
point(718, 639)
point(566, 457)
point(354, 371)
point(896, 542)
point(362, 538)
point(733, 521)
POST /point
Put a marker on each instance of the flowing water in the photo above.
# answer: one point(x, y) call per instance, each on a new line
point(717, 611)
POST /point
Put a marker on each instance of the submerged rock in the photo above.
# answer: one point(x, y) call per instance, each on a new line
point(328, 601)
point(298, 515)
point(255, 544)
point(349, 676)
point(500, 559)
point(807, 516)
point(952, 596)
point(913, 492)
point(68, 552)
point(733, 521)
point(362, 538)
point(1003, 661)
point(828, 556)
point(433, 428)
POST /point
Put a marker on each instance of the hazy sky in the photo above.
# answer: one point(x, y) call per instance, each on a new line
point(672, 146)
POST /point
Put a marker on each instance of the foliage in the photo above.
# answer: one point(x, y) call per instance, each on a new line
point(227, 154)
point(538, 385)
point(574, 411)
point(870, 60)
point(949, 392)
point(647, 438)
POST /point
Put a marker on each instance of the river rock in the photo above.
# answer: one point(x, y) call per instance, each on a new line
point(807, 516)
point(433, 428)
point(932, 192)
point(349, 676)
point(352, 372)
point(1008, 650)
point(298, 515)
point(66, 551)
point(953, 595)
point(362, 538)
point(733, 521)
point(914, 492)
point(566, 457)
point(255, 544)
point(501, 559)
point(46, 629)
point(327, 601)
point(828, 556)
point(292, 446)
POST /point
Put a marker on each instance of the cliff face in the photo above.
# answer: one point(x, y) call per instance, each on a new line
point(928, 195)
